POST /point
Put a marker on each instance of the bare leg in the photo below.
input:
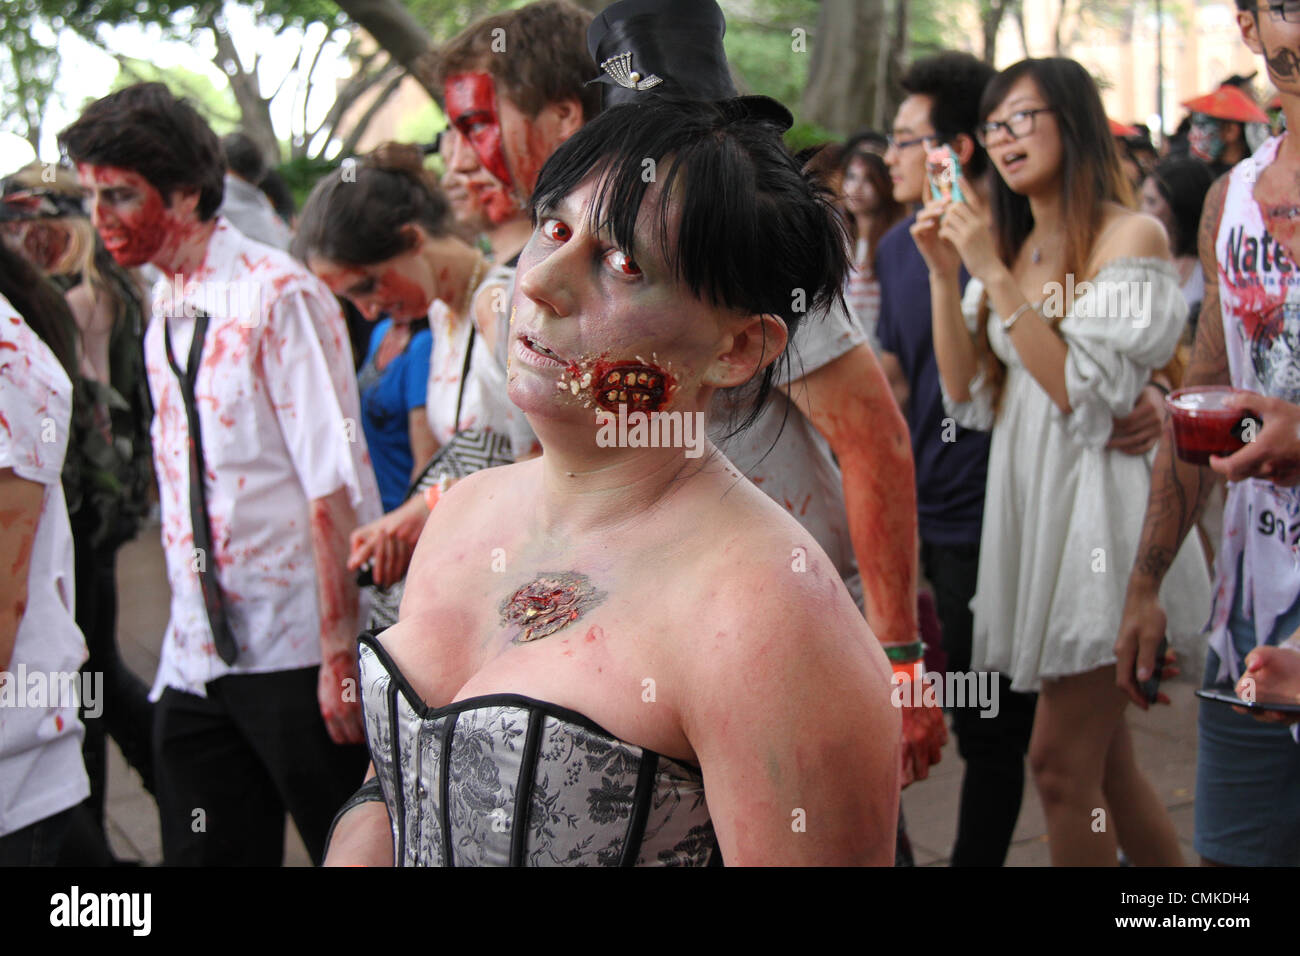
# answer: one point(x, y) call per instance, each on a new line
point(1144, 829)
point(1073, 729)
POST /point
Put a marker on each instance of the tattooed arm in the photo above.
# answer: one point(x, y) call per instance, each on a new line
point(1178, 490)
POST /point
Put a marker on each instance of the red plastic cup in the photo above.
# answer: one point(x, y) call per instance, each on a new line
point(1204, 424)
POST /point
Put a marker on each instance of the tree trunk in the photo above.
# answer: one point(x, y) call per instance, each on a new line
point(394, 29)
point(1020, 27)
point(991, 13)
point(849, 76)
point(349, 147)
point(890, 93)
point(254, 110)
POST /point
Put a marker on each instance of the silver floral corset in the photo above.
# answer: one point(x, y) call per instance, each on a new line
point(510, 781)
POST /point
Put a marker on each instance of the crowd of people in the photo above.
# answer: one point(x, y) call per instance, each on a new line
point(930, 369)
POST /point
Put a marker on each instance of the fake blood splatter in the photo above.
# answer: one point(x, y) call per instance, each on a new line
point(549, 602)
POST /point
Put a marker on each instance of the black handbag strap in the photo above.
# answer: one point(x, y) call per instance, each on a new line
point(464, 375)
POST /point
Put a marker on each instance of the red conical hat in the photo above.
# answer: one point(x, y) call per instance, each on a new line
point(1119, 129)
point(1228, 103)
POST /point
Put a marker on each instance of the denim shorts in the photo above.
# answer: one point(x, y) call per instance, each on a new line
point(1247, 772)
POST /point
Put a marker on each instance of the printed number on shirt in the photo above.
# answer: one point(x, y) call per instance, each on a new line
point(1272, 524)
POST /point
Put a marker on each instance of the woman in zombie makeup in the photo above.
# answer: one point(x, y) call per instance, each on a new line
point(389, 293)
point(380, 233)
point(589, 637)
point(1047, 372)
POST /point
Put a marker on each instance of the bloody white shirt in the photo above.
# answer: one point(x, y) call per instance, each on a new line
point(1259, 293)
point(280, 421)
point(41, 771)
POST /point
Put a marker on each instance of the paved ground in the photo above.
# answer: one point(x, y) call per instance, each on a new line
point(1165, 739)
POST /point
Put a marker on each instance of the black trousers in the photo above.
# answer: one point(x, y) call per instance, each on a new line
point(124, 712)
point(228, 766)
point(37, 844)
point(993, 748)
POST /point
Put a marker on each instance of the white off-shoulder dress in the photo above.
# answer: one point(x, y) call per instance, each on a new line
point(1062, 515)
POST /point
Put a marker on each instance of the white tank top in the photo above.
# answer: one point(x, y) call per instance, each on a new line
point(1259, 289)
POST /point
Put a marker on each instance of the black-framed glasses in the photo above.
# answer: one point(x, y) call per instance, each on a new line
point(1288, 11)
point(902, 144)
point(1017, 125)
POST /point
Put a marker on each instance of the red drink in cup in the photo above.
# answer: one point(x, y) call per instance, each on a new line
point(1204, 424)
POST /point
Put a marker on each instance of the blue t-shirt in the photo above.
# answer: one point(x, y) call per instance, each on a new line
point(950, 475)
point(387, 398)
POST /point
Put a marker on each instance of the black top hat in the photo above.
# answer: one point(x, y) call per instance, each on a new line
point(671, 49)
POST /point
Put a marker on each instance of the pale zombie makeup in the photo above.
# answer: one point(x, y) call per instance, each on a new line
point(395, 287)
point(593, 326)
point(128, 212)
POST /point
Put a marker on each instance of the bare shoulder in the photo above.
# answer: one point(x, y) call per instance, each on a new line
point(1129, 234)
point(779, 611)
point(487, 488)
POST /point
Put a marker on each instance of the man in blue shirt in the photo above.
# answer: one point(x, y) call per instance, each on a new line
point(942, 106)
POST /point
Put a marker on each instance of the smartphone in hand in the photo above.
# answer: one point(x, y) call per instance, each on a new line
point(943, 169)
point(1151, 686)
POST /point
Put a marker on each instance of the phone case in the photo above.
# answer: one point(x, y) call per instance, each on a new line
point(943, 168)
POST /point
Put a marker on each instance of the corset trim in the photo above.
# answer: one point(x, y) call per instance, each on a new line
point(425, 712)
point(524, 788)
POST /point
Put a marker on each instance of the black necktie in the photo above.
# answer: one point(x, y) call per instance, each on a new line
point(213, 600)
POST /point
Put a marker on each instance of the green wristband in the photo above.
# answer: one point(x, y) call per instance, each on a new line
point(905, 653)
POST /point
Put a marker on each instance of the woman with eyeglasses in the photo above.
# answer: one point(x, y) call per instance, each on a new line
point(1074, 302)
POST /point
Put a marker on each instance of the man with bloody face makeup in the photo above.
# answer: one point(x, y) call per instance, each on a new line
point(262, 473)
point(514, 89)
